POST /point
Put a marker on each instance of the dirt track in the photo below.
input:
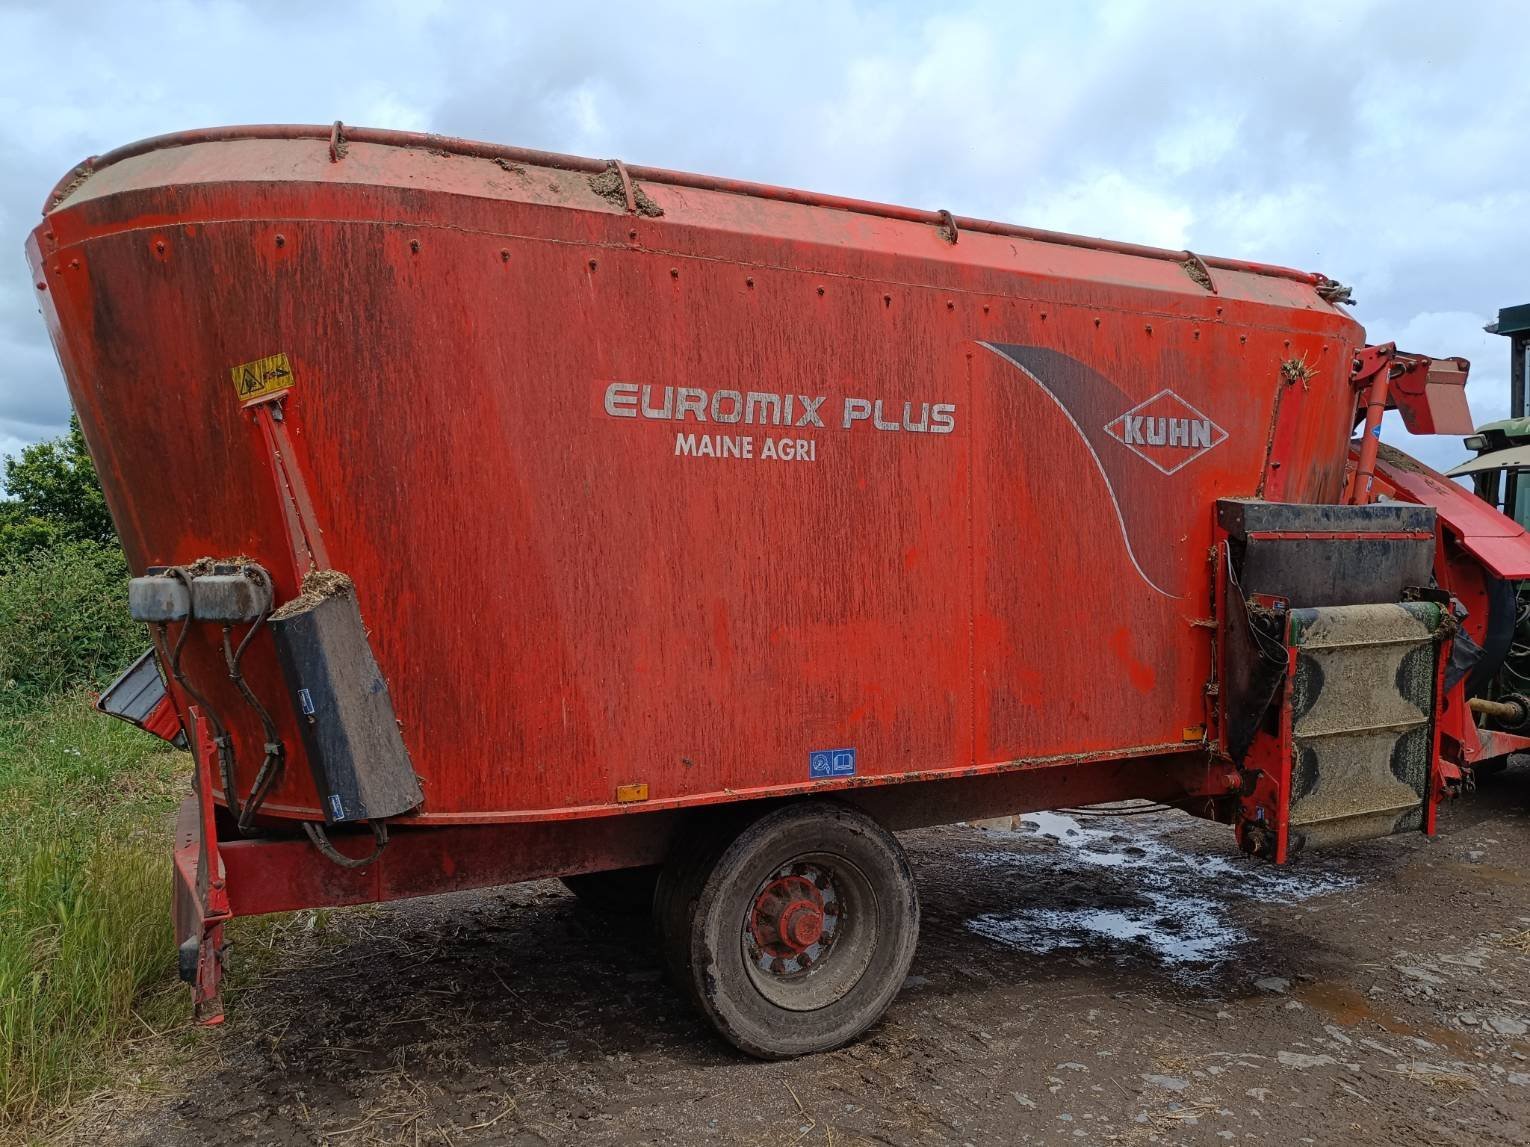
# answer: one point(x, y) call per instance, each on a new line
point(1079, 981)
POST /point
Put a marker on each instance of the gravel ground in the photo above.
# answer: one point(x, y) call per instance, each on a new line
point(1079, 980)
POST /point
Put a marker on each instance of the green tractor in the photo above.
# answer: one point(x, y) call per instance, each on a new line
point(1498, 476)
point(1502, 448)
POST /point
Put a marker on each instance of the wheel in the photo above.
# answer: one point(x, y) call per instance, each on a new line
point(793, 933)
point(621, 892)
point(1498, 637)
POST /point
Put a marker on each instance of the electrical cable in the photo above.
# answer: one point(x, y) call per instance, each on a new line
point(320, 841)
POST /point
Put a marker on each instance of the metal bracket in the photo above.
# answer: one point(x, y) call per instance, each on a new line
point(337, 144)
point(947, 226)
point(1369, 361)
point(201, 904)
point(1196, 268)
point(627, 193)
point(1334, 292)
point(304, 536)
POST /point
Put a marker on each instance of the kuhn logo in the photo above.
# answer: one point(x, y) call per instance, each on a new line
point(1166, 431)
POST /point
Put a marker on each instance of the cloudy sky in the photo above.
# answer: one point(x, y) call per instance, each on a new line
point(1385, 144)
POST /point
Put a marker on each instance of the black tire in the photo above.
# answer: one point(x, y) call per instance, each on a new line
point(793, 933)
point(1502, 614)
point(620, 892)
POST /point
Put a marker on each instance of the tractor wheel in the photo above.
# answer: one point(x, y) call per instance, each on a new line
point(620, 892)
point(794, 933)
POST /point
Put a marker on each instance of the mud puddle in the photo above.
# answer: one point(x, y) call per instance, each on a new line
point(1167, 900)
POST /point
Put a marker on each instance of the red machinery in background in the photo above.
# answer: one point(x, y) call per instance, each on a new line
point(500, 515)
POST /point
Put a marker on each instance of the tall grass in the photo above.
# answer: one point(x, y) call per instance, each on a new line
point(85, 809)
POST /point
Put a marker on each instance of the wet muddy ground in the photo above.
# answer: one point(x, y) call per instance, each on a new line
point(1079, 980)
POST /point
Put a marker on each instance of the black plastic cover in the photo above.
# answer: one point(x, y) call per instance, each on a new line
point(360, 763)
point(1330, 566)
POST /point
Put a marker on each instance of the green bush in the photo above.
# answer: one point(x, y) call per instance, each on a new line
point(63, 622)
point(52, 495)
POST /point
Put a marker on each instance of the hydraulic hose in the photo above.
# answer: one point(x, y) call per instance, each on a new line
point(222, 742)
point(272, 766)
point(320, 841)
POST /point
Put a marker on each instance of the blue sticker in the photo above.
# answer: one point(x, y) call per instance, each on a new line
point(826, 763)
point(306, 700)
point(337, 806)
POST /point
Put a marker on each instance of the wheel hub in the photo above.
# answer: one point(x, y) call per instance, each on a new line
point(802, 924)
point(793, 920)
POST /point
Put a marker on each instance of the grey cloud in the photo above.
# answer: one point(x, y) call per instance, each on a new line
point(1377, 142)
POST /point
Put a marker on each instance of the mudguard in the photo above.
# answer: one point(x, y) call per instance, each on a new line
point(1499, 543)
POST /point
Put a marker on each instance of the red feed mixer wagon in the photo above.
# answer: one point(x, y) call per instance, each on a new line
point(500, 515)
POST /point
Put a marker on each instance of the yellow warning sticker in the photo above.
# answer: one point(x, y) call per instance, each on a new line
point(264, 378)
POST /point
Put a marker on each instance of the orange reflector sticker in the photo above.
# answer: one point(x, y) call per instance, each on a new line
point(264, 378)
point(1193, 733)
point(626, 794)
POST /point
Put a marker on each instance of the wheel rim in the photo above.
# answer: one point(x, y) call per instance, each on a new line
point(809, 931)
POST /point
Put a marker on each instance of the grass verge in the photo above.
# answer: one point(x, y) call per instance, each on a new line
point(85, 934)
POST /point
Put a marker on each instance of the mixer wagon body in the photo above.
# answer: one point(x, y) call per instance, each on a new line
point(659, 492)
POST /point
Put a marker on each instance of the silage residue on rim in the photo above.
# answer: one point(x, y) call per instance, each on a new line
point(1180, 902)
point(317, 585)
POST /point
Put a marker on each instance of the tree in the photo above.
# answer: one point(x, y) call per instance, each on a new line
point(53, 496)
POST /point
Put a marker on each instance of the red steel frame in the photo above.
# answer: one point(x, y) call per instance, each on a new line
point(201, 902)
point(217, 880)
point(1266, 778)
point(1473, 542)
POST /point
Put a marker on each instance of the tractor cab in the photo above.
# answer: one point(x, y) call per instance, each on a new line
point(1502, 452)
point(1502, 448)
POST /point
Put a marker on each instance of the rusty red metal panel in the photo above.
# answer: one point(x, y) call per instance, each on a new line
point(1431, 395)
point(1497, 542)
point(163, 720)
point(278, 875)
point(1187, 776)
point(339, 139)
point(978, 539)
